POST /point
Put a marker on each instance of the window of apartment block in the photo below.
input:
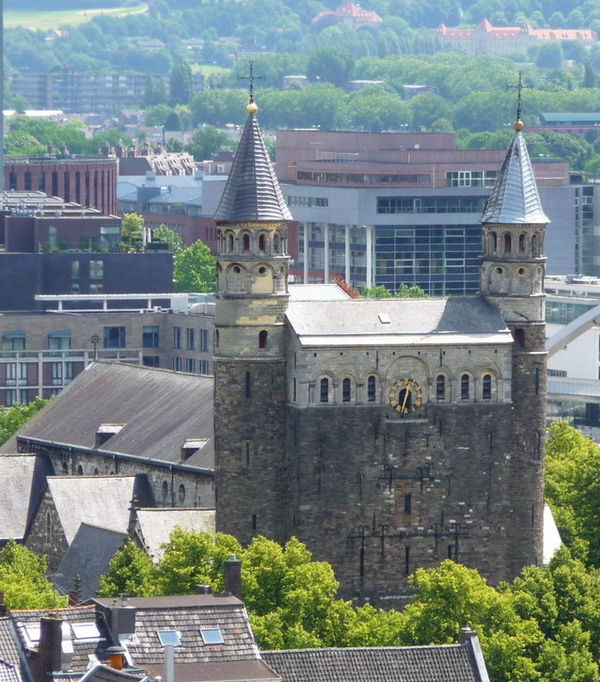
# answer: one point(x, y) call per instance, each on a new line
point(151, 360)
point(176, 337)
point(203, 367)
point(190, 339)
point(177, 363)
point(190, 364)
point(203, 340)
point(16, 374)
point(114, 337)
point(59, 340)
point(96, 275)
point(13, 341)
point(150, 337)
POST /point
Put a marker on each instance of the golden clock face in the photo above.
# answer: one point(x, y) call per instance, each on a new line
point(405, 396)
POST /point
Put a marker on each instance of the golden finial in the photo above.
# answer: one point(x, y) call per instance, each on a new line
point(519, 125)
point(251, 108)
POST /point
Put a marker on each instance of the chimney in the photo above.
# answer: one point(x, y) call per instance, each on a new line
point(48, 659)
point(121, 619)
point(3, 607)
point(203, 589)
point(116, 657)
point(468, 638)
point(75, 593)
point(233, 576)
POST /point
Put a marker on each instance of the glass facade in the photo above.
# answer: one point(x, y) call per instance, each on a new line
point(441, 259)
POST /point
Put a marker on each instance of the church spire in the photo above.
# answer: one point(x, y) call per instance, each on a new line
point(252, 193)
point(515, 199)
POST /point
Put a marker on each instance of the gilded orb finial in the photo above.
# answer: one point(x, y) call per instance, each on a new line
point(519, 125)
point(251, 107)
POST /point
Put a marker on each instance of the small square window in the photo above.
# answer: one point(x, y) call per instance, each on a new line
point(212, 636)
point(169, 637)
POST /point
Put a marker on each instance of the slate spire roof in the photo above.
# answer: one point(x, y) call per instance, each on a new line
point(252, 192)
point(515, 199)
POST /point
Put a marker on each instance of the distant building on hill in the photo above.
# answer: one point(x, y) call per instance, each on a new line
point(348, 12)
point(488, 39)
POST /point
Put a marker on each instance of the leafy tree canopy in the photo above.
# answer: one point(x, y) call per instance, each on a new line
point(194, 269)
point(13, 418)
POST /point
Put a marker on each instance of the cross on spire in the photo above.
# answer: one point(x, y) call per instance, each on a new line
point(251, 78)
point(519, 88)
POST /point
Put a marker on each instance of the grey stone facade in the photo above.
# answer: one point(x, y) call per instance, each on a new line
point(388, 435)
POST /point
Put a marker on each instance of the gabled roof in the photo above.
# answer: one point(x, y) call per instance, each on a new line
point(154, 526)
point(515, 199)
point(423, 321)
point(160, 410)
point(10, 650)
point(104, 673)
point(189, 615)
point(101, 501)
point(228, 671)
point(22, 479)
point(87, 558)
point(252, 192)
point(449, 663)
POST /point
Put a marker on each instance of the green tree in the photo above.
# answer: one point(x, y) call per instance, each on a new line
point(589, 75)
point(23, 580)
point(130, 571)
point(180, 84)
point(405, 291)
point(331, 64)
point(207, 141)
point(132, 231)
point(13, 418)
point(573, 489)
point(157, 115)
point(550, 55)
point(194, 269)
point(163, 233)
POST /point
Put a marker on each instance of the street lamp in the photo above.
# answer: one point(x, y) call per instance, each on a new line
point(95, 340)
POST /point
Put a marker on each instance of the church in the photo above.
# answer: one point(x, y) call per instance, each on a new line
point(389, 434)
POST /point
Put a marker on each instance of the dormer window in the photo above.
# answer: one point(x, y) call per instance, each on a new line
point(191, 446)
point(106, 431)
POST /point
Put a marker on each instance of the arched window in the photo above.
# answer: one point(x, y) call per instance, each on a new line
point(294, 390)
point(507, 243)
point(535, 246)
point(181, 494)
point(261, 242)
point(372, 389)
point(246, 242)
point(96, 472)
point(324, 398)
point(216, 338)
point(277, 243)
point(263, 337)
point(164, 492)
point(247, 385)
point(521, 243)
point(493, 241)
point(79, 470)
point(48, 527)
point(465, 387)
point(346, 390)
point(230, 242)
point(486, 387)
point(65, 468)
point(440, 387)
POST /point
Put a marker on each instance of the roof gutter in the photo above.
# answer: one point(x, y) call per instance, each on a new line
point(28, 440)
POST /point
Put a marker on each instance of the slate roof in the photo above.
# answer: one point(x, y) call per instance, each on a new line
point(515, 199)
point(154, 526)
point(160, 410)
point(104, 673)
point(22, 479)
point(230, 671)
point(83, 650)
point(252, 192)
point(101, 501)
point(88, 557)
point(10, 649)
point(317, 292)
point(188, 615)
point(450, 663)
point(9, 672)
point(425, 321)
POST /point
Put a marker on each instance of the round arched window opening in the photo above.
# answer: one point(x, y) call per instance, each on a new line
point(261, 242)
point(236, 269)
point(181, 493)
point(79, 470)
point(521, 271)
point(165, 491)
point(499, 271)
point(262, 270)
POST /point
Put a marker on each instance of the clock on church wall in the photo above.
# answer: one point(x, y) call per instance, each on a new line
point(405, 396)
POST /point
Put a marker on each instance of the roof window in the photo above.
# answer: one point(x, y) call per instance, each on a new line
point(169, 637)
point(212, 636)
point(384, 318)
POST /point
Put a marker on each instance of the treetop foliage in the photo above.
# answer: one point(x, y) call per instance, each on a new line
point(543, 626)
point(13, 418)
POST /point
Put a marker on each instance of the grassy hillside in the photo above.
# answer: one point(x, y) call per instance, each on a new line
point(46, 20)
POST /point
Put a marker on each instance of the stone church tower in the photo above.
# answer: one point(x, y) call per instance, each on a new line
point(250, 358)
point(386, 434)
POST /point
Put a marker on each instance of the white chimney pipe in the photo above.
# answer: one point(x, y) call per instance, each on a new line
point(169, 663)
